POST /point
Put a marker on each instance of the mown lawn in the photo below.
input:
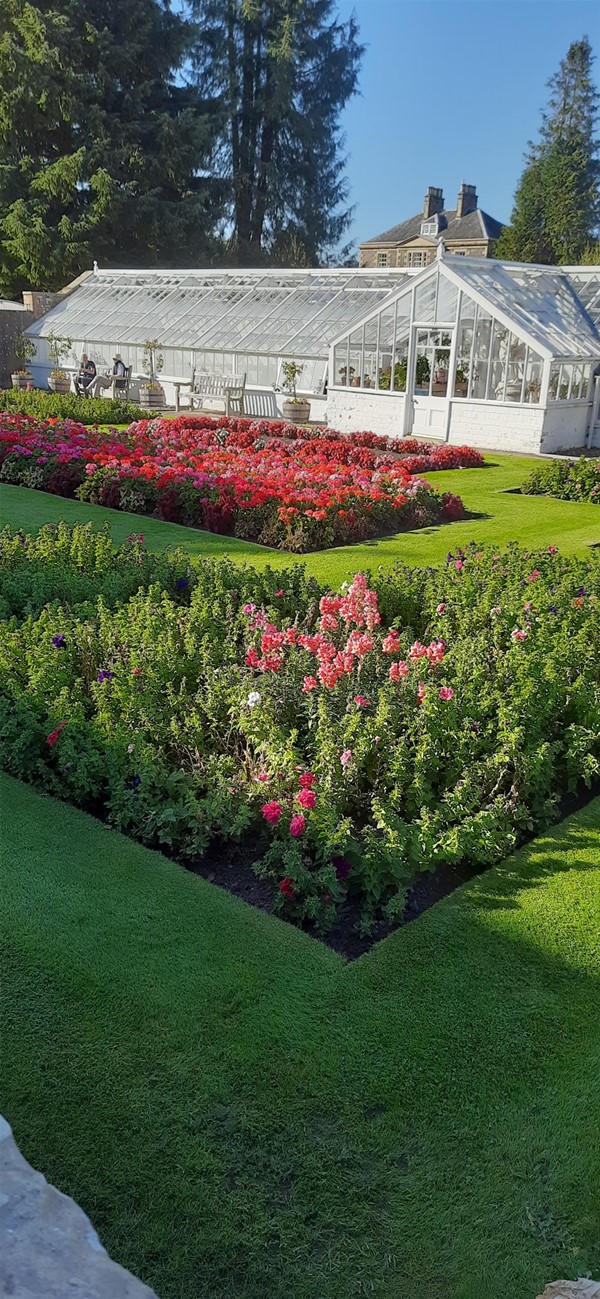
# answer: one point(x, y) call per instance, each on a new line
point(243, 1114)
point(501, 516)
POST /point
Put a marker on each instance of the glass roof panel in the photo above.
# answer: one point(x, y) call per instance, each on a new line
point(270, 312)
point(540, 302)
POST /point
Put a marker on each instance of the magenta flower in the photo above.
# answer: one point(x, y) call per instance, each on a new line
point(346, 757)
point(446, 693)
point(272, 812)
point(297, 825)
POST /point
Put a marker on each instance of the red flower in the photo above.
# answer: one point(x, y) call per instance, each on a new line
point(307, 780)
point(286, 888)
point(297, 825)
point(53, 736)
point(306, 798)
point(272, 812)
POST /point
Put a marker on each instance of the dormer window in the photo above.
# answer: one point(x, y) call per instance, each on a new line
point(430, 227)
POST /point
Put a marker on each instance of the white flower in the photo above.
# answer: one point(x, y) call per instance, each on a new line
point(254, 698)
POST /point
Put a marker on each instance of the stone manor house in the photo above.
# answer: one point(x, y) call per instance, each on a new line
point(465, 230)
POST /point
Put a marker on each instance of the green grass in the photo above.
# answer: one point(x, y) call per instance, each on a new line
point(532, 520)
point(243, 1114)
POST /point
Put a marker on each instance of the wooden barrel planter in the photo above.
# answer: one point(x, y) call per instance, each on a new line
point(21, 379)
point(59, 383)
point(152, 398)
point(296, 412)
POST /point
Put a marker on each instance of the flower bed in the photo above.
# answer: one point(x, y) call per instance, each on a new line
point(228, 477)
point(345, 741)
point(569, 480)
point(67, 406)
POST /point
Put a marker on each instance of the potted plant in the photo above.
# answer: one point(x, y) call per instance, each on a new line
point(151, 392)
point(295, 409)
point(25, 349)
point(59, 348)
point(461, 379)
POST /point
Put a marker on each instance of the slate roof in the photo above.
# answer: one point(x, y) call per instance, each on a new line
point(475, 225)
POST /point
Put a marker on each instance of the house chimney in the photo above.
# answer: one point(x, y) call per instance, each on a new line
point(434, 202)
point(467, 200)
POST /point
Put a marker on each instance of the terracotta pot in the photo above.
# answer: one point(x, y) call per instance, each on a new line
point(296, 412)
point(152, 398)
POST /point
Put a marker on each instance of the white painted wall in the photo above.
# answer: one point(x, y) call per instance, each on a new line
point(566, 425)
point(352, 411)
point(496, 426)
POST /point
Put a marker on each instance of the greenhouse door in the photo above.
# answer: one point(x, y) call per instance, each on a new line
point(430, 376)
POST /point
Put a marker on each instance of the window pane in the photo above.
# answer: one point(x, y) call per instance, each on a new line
point(533, 377)
point(425, 300)
point(340, 364)
point(386, 340)
point(463, 352)
point(566, 372)
point(481, 354)
point(554, 377)
point(498, 359)
point(516, 369)
point(585, 382)
point(447, 298)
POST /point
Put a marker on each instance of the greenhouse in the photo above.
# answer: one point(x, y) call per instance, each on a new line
point(495, 354)
point(218, 322)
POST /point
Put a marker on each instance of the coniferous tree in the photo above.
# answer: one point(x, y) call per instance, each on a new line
point(283, 71)
point(557, 202)
point(102, 148)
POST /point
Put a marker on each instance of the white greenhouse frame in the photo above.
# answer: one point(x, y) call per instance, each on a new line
point(518, 352)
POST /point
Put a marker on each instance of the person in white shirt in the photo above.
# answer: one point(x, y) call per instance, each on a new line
point(116, 376)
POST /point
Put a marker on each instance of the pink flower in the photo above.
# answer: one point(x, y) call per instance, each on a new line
point(307, 780)
point(399, 670)
point(310, 683)
point(248, 608)
point(533, 577)
point(279, 592)
point(421, 692)
point(518, 634)
point(441, 609)
point(346, 757)
point(446, 693)
point(263, 776)
point(458, 564)
point(272, 812)
point(391, 643)
point(553, 550)
point(362, 702)
point(307, 798)
point(297, 825)
point(527, 606)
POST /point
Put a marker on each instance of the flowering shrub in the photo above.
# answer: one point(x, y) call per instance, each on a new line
point(222, 476)
point(67, 406)
point(344, 740)
point(569, 480)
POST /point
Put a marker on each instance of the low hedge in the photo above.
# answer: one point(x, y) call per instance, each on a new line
point(55, 405)
point(569, 480)
point(344, 742)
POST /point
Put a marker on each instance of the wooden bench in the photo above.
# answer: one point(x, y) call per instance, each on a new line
point(228, 388)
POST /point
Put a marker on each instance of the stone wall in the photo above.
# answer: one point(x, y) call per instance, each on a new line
point(48, 1248)
point(13, 320)
point(497, 426)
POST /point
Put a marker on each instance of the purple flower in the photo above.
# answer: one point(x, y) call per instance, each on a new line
point(552, 608)
point(59, 641)
point(133, 782)
point(105, 675)
point(342, 867)
point(182, 583)
point(582, 591)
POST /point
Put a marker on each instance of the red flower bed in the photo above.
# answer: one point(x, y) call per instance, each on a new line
point(253, 479)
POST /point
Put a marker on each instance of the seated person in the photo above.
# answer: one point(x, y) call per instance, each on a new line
point(118, 376)
point(85, 376)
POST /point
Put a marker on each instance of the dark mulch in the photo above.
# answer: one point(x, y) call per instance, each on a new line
point(229, 869)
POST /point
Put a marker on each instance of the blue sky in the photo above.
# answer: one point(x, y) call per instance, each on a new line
point(451, 90)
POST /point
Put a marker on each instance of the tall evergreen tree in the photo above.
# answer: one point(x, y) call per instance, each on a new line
point(102, 148)
point(557, 202)
point(283, 71)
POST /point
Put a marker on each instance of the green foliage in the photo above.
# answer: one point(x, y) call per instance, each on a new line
point(54, 405)
point(557, 203)
point(168, 726)
point(569, 480)
point(284, 70)
point(103, 148)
